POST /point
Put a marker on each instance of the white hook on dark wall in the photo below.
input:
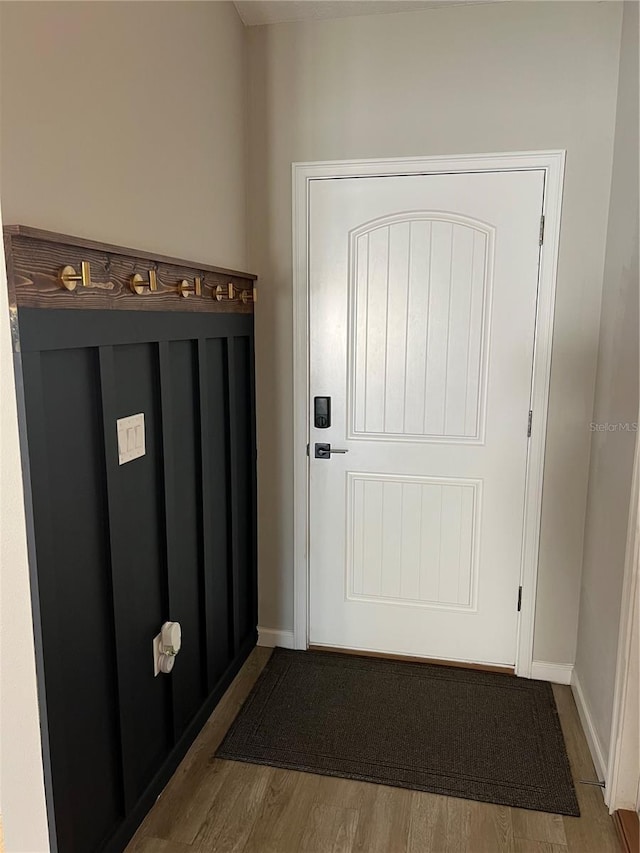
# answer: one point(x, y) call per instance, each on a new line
point(165, 647)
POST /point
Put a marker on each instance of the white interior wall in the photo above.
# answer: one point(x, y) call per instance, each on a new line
point(627, 791)
point(22, 802)
point(623, 770)
point(125, 122)
point(616, 403)
point(461, 79)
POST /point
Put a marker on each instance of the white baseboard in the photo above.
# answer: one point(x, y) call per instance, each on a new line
point(271, 637)
point(593, 741)
point(558, 673)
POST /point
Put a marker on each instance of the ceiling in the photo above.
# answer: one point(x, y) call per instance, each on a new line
point(257, 12)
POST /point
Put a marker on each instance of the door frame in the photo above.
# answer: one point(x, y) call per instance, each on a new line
point(303, 174)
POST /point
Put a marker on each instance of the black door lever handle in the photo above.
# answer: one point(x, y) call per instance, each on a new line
point(324, 451)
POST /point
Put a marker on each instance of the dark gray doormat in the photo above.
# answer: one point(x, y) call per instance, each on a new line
point(478, 735)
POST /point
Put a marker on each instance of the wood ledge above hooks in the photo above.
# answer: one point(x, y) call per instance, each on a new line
point(50, 270)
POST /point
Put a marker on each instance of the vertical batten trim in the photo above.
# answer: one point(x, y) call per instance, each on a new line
point(169, 500)
point(234, 491)
point(206, 508)
point(254, 486)
point(39, 469)
point(32, 560)
point(107, 374)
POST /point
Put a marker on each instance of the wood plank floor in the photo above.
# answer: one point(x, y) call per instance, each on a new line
point(229, 807)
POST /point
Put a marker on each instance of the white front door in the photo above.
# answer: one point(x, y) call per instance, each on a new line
point(422, 319)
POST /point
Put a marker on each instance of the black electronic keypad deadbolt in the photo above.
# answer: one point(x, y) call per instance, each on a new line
point(321, 412)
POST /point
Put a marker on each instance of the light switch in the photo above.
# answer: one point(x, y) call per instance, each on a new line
point(131, 444)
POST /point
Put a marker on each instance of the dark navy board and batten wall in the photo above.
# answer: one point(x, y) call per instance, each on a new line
point(120, 549)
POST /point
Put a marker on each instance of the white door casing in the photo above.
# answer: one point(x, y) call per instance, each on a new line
point(424, 469)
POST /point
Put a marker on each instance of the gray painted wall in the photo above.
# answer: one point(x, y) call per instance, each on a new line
point(462, 79)
point(616, 401)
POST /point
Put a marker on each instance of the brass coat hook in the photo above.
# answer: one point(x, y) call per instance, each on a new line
point(185, 289)
point(69, 278)
point(232, 293)
point(138, 284)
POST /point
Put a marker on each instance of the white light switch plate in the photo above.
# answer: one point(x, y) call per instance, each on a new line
point(131, 444)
